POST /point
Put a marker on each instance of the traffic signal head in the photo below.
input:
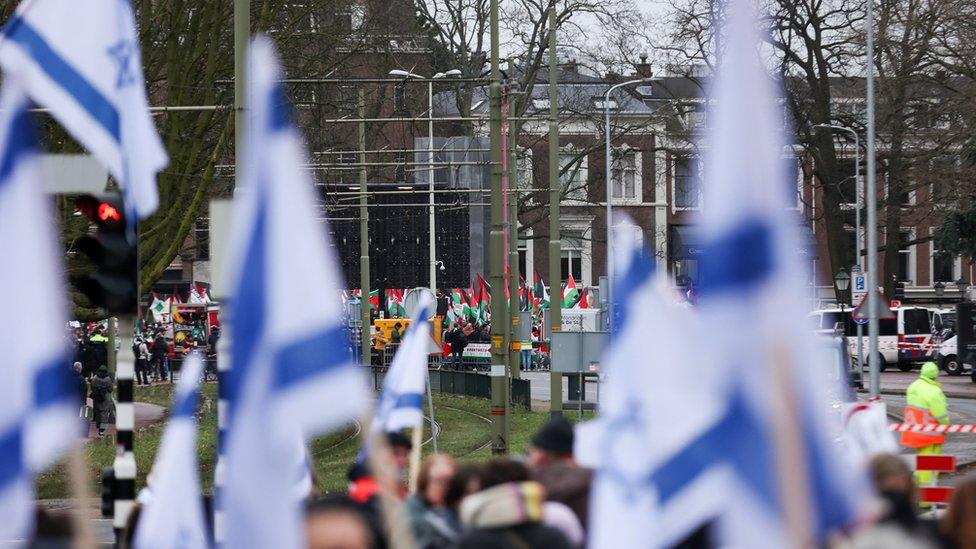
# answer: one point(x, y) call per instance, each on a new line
point(114, 285)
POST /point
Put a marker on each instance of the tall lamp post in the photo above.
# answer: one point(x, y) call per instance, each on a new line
point(431, 241)
point(609, 183)
point(859, 240)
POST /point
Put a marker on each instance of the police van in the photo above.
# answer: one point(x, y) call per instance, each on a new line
point(910, 338)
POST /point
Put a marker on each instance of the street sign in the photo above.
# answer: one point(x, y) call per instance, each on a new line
point(859, 286)
point(860, 313)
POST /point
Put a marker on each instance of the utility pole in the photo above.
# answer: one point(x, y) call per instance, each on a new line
point(496, 244)
point(364, 302)
point(555, 246)
point(872, 207)
point(242, 34)
point(514, 305)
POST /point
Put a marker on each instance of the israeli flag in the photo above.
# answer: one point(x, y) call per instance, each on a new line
point(174, 515)
point(81, 60)
point(789, 484)
point(401, 401)
point(652, 406)
point(39, 411)
point(292, 371)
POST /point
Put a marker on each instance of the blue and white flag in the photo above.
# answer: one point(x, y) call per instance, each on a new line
point(652, 405)
point(292, 371)
point(174, 516)
point(81, 60)
point(39, 411)
point(789, 482)
point(401, 401)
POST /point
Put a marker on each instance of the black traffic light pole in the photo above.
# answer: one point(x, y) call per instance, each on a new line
point(115, 287)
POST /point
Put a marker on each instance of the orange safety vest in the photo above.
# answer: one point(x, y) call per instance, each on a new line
point(913, 439)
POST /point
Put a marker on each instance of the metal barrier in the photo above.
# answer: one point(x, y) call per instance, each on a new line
point(470, 384)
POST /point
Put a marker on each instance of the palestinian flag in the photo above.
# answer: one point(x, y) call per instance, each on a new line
point(570, 293)
point(159, 307)
point(374, 300)
point(394, 303)
point(540, 294)
point(484, 300)
point(584, 301)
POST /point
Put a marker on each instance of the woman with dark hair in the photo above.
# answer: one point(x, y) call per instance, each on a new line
point(434, 524)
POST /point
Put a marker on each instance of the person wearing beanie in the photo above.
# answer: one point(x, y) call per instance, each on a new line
point(101, 395)
point(550, 455)
point(925, 404)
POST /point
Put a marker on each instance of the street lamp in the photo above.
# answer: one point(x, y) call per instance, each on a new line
point(939, 288)
point(431, 241)
point(857, 218)
point(609, 183)
point(842, 281)
point(963, 286)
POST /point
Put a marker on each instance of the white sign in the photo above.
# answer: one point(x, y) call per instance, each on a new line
point(477, 350)
point(73, 174)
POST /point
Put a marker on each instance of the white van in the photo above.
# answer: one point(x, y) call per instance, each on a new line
point(947, 358)
point(904, 341)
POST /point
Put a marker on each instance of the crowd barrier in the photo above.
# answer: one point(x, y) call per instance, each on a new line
point(455, 382)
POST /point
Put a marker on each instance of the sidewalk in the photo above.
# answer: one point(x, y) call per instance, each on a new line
point(895, 383)
point(145, 413)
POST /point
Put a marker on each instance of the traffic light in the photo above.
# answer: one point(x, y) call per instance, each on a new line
point(113, 286)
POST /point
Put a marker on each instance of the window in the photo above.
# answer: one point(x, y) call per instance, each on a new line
point(905, 256)
point(624, 175)
point(539, 103)
point(944, 266)
point(687, 183)
point(572, 174)
point(201, 237)
point(917, 321)
point(523, 258)
point(400, 170)
point(600, 104)
point(571, 260)
point(399, 98)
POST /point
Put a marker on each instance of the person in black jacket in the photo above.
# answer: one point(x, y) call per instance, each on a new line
point(457, 340)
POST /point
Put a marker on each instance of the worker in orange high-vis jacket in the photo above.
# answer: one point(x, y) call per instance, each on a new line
point(926, 405)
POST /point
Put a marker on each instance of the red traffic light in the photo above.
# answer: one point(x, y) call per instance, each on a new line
point(107, 212)
point(103, 210)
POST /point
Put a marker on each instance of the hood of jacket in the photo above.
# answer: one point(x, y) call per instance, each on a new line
point(504, 505)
